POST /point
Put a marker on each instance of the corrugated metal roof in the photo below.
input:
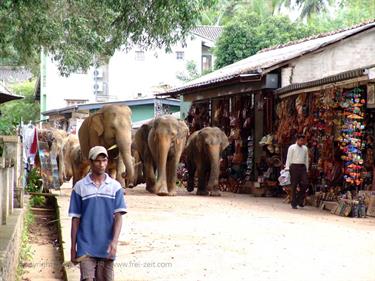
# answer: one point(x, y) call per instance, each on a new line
point(10, 74)
point(262, 61)
point(209, 32)
point(6, 95)
point(98, 105)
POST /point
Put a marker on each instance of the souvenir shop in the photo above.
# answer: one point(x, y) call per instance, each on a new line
point(339, 125)
point(244, 118)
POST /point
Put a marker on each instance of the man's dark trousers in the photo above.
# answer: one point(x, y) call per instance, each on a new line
point(298, 177)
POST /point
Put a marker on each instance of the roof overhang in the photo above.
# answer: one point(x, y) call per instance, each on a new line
point(6, 95)
point(352, 76)
point(95, 106)
point(225, 81)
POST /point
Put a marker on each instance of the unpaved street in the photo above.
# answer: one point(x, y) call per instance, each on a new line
point(240, 237)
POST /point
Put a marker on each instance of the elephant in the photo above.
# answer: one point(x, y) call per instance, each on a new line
point(58, 137)
point(203, 151)
point(110, 126)
point(141, 148)
point(70, 142)
point(160, 144)
point(138, 166)
point(74, 165)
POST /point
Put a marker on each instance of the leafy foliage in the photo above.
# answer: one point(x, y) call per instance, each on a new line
point(26, 109)
point(81, 33)
point(248, 33)
point(34, 181)
point(191, 72)
point(26, 252)
point(224, 10)
point(348, 14)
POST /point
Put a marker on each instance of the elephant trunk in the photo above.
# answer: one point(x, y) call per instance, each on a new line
point(163, 145)
point(124, 145)
point(214, 158)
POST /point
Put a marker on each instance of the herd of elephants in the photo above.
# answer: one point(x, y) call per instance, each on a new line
point(150, 154)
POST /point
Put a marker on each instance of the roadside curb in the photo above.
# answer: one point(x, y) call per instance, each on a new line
point(71, 273)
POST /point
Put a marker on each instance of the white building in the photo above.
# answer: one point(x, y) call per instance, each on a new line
point(128, 75)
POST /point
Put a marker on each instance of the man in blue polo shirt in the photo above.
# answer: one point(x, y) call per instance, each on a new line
point(96, 207)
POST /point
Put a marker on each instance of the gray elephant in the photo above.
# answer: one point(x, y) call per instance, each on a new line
point(160, 144)
point(74, 164)
point(110, 126)
point(203, 151)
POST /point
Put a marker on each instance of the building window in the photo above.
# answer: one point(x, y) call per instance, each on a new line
point(139, 55)
point(206, 63)
point(180, 55)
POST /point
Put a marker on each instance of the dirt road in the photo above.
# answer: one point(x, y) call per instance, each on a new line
point(233, 237)
point(239, 237)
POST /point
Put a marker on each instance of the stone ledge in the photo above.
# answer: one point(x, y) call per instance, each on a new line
point(70, 272)
point(10, 245)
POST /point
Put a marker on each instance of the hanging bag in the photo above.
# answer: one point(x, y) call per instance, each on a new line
point(284, 178)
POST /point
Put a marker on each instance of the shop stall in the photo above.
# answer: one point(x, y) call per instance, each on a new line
point(339, 125)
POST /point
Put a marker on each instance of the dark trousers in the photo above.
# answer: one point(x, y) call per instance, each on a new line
point(298, 177)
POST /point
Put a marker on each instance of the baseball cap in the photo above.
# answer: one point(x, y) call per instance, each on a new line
point(96, 150)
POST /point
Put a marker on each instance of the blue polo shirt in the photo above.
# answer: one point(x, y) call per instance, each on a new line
point(96, 208)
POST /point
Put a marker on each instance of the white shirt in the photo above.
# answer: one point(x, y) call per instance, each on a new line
point(297, 155)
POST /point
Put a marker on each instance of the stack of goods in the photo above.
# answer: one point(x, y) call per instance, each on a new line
point(352, 136)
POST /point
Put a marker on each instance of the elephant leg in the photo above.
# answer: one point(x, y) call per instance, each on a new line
point(202, 181)
point(149, 174)
point(171, 177)
point(191, 171)
point(214, 170)
point(163, 147)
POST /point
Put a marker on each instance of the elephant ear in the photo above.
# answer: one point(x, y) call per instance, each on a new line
point(224, 141)
point(97, 123)
point(183, 130)
point(192, 139)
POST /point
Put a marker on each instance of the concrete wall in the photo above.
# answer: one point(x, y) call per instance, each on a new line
point(10, 243)
point(355, 52)
point(11, 218)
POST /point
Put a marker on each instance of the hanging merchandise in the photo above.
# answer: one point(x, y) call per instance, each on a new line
point(351, 139)
point(250, 158)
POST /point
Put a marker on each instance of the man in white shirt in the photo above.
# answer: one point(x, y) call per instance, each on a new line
point(297, 162)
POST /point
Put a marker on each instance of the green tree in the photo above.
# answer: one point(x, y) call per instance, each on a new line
point(191, 72)
point(348, 13)
point(81, 33)
point(248, 33)
point(223, 11)
point(309, 8)
point(26, 109)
